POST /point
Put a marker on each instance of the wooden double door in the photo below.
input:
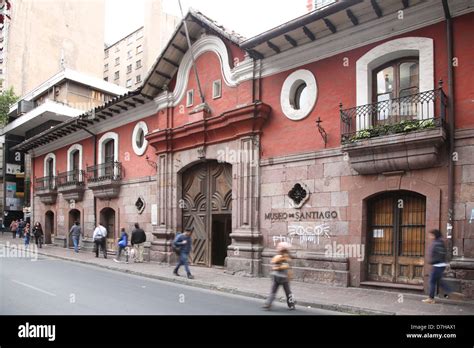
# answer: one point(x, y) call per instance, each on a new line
point(207, 208)
point(397, 232)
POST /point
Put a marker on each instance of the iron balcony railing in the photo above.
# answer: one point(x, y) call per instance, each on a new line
point(413, 112)
point(71, 178)
point(47, 183)
point(105, 171)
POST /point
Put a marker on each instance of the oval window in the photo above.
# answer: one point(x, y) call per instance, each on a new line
point(298, 95)
point(139, 143)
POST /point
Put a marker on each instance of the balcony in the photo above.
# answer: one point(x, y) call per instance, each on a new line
point(105, 179)
point(46, 189)
point(72, 185)
point(396, 134)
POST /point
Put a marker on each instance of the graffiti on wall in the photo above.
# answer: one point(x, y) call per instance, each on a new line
point(304, 236)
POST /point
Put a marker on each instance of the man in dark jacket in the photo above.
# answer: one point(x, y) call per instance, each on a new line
point(184, 242)
point(438, 260)
point(138, 240)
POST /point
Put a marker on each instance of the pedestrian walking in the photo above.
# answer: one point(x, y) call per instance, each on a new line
point(122, 246)
point(75, 233)
point(19, 228)
point(281, 275)
point(13, 228)
point(99, 237)
point(26, 235)
point(438, 261)
point(138, 242)
point(183, 243)
point(38, 234)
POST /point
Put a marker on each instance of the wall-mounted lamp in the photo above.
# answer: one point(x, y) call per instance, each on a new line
point(322, 131)
point(151, 163)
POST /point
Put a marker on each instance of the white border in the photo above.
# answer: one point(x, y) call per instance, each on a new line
point(287, 90)
point(109, 136)
point(386, 52)
point(391, 50)
point(46, 158)
point(139, 150)
point(73, 148)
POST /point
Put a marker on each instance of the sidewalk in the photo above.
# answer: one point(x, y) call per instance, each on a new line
point(348, 300)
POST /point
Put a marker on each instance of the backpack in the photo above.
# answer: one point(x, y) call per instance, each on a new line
point(176, 248)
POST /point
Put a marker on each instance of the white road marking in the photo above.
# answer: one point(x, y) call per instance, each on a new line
point(33, 287)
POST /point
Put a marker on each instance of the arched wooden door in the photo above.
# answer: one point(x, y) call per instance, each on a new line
point(207, 208)
point(48, 227)
point(74, 215)
point(107, 218)
point(397, 235)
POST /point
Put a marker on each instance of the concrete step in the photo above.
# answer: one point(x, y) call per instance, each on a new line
point(418, 289)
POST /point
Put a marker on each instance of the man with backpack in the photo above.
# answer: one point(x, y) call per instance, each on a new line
point(182, 245)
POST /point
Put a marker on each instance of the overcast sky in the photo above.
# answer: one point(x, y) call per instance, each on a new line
point(248, 17)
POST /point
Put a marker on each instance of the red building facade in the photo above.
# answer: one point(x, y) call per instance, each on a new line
point(246, 164)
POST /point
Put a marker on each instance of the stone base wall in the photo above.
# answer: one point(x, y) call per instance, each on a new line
point(316, 268)
point(335, 213)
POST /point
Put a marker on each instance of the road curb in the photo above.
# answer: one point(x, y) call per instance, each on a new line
point(235, 291)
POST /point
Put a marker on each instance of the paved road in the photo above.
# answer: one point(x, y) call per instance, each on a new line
point(50, 286)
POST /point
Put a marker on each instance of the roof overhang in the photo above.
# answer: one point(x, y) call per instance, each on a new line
point(75, 76)
point(97, 115)
point(322, 23)
point(48, 111)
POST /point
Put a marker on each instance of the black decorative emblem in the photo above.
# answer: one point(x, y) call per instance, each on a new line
point(140, 204)
point(297, 194)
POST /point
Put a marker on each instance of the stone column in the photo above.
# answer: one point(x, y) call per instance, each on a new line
point(244, 254)
point(163, 233)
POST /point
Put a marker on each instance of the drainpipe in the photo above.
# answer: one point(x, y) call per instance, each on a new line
point(256, 96)
point(94, 137)
point(451, 125)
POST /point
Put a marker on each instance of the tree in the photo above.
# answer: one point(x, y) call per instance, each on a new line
point(7, 99)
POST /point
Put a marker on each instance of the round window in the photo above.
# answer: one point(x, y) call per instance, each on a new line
point(139, 142)
point(298, 95)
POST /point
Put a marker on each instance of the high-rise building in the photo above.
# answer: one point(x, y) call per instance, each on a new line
point(43, 37)
point(127, 61)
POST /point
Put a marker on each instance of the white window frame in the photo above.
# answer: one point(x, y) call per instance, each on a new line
point(129, 83)
point(190, 98)
point(45, 168)
point(394, 49)
point(46, 158)
point(139, 151)
point(70, 151)
point(108, 136)
point(219, 89)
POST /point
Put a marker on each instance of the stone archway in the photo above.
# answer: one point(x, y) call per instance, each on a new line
point(244, 253)
point(49, 231)
point(358, 213)
point(107, 219)
point(74, 215)
point(207, 209)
